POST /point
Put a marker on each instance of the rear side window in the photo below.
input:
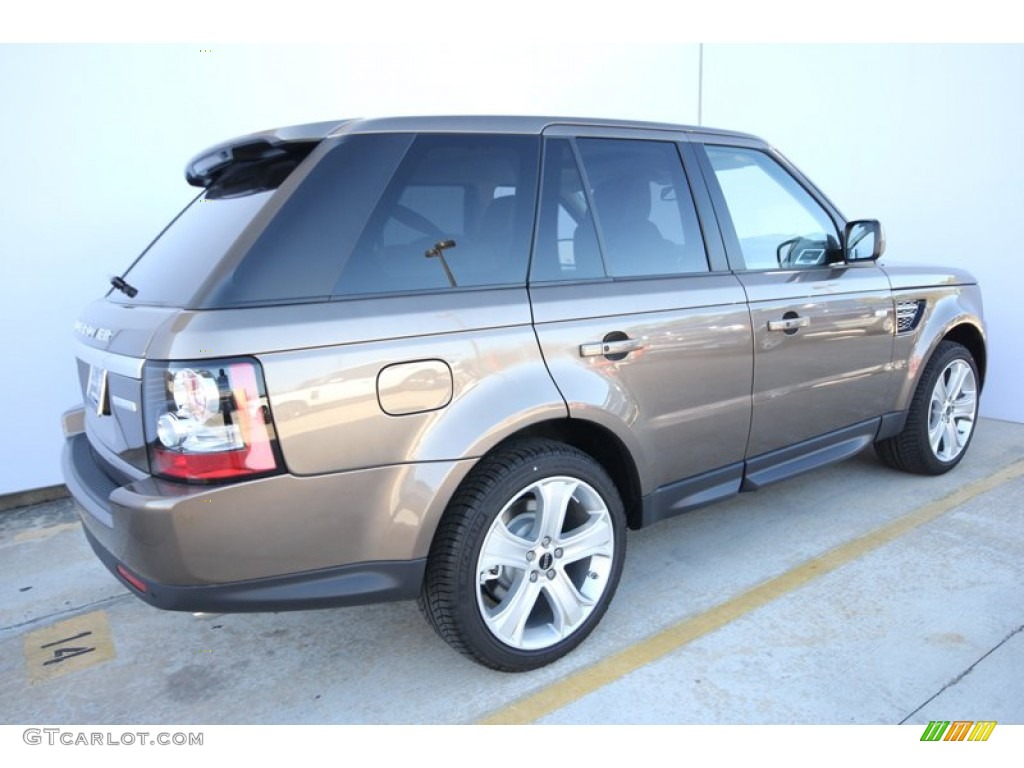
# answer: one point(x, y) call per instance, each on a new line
point(300, 254)
point(645, 212)
point(297, 256)
point(458, 213)
point(566, 247)
point(635, 195)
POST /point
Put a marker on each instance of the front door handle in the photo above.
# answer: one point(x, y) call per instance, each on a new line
point(789, 324)
point(617, 347)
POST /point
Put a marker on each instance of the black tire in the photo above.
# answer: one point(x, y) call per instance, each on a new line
point(952, 419)
point(472, 606)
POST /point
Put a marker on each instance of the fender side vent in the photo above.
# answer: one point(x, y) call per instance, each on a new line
point(908, 315)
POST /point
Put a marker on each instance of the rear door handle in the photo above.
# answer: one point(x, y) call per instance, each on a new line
point(789, 324)
point(618, 347)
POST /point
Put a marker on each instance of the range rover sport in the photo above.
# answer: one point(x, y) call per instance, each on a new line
point(454, 359)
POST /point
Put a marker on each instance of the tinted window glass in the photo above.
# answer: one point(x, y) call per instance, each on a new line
point(645, 212)
point(301, 252)
point(475, 192)
point(777, 222)
point(566, 246)
point(174, 267)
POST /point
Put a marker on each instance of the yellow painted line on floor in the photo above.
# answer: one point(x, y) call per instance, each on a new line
point(555, 696)
point(68, 646)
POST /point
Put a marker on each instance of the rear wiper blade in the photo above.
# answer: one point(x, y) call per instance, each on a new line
point(124, 287)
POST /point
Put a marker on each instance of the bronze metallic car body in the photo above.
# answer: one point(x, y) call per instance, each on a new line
point(399, 427)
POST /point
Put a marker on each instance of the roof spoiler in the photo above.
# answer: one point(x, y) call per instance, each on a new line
point(209, 165)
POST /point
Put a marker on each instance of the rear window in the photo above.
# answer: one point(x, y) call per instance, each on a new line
point(173, 268)
point(240, 244)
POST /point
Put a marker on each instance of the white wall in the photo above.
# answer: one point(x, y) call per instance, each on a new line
point(95, 138)
point(925, 138)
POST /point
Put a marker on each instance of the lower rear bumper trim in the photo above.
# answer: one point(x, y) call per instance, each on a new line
point(356, 584)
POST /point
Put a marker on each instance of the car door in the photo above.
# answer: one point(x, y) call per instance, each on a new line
point(823, 329)
point(641, 324)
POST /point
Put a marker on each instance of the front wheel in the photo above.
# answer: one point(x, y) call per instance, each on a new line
point(942, 415)
point(527, 556)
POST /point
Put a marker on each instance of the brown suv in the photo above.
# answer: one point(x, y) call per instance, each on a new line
point(455, 358)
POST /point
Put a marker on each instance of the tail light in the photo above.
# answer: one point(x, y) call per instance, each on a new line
point(209, 421)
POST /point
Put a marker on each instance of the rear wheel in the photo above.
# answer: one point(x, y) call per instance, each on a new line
point(942, 415)
point(527, 556)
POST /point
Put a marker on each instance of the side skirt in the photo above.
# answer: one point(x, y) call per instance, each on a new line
point(767, 469)
point(817, 452)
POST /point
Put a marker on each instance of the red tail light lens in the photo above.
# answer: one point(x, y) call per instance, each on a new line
point(209, 421)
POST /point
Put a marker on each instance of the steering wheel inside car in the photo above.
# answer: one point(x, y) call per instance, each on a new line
point(778, 251)
point(803, 252)
point(410, 218)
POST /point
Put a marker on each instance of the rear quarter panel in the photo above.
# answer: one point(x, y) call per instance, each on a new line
point(324, 394)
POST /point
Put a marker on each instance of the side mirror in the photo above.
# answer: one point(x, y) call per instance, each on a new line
point(863, 240)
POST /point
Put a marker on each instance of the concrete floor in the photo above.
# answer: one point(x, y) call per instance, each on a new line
point(920, 624)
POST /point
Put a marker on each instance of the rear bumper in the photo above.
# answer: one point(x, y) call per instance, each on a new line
point(276, 543)
point(358, 584)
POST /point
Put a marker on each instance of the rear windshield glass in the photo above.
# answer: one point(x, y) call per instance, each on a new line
point(173, 268)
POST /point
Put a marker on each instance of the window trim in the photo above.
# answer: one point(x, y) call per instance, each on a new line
point(707, 216)
point(538, 212)
point(588, 194)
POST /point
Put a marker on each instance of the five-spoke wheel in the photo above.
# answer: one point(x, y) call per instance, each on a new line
point(942, 414)
point(953, 407)
point(527, 556)
point(545, 562)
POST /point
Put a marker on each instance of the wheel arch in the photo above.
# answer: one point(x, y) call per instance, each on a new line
point(600, 443)
point(933, 439)
point(970, 336)
point(950, 315)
